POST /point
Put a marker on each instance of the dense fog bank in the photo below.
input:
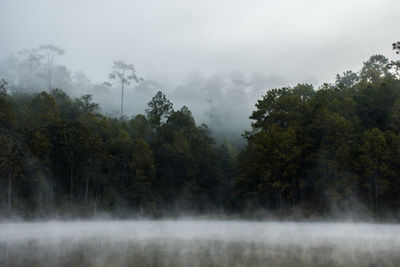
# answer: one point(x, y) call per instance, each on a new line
point(198, 243)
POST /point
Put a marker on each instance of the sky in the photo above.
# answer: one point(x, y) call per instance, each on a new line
point(308, 40)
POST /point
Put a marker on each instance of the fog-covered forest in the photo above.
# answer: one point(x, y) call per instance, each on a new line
point(199, 133)
point(222, 100)
point(309, 151)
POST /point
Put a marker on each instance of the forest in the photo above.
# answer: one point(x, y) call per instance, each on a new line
point(309, 152)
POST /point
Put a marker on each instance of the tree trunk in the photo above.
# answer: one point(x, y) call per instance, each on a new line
point(30, 76)
point(170, 176)
point(50, 193)
point(376, 191)
point(276, 189)
point(267, 196)
point(87, 188)
point(9, 189)
point(122, 99)
point(49, 81)
point(49, 74)
point(72, 179)
point(95, 205)
point(277, 199)
point(370, 193)
point(279, 190)
point(293, 193)
point(95, 200)
point(256, 196)
point(49, 69)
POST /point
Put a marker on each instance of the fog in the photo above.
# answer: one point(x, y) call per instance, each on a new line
point(173, 38)
point(198, 243)
point(216, 57)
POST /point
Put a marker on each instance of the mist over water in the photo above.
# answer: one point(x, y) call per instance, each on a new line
point(198, 243)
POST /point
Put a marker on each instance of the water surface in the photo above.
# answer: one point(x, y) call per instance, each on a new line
point(198, 243)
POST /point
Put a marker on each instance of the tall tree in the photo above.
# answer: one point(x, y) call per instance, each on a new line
point(123, 74)
point(374, 68)
point(49, 52)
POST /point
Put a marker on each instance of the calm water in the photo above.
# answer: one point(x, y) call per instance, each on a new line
point(198, 243)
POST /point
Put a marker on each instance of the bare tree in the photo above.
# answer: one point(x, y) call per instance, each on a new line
point(123, 74)
point(49, 52)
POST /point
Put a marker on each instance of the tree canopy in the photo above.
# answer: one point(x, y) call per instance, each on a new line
point(309, 152)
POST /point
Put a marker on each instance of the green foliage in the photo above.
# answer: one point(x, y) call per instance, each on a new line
point(159, 109)
point(347, 79)
point(3, 87)
point(59, 154)
point(142, 183)
point(374, 69)
point(44, 110)
point(326, 148)
point(6, 113)
point(395, 65)
point(139, 127)
point(310, 150)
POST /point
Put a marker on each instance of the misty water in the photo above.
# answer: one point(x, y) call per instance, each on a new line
point(198, 243)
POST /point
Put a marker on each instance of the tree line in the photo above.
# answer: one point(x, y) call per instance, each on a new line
point(60, 155)
point(336, 148)
point(308, 152)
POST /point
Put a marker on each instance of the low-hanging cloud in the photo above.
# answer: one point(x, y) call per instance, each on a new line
point(296, 40)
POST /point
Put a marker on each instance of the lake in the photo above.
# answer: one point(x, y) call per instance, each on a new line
point(198, 243)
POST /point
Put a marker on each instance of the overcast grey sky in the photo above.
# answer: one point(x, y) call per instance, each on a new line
point(298, 40)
